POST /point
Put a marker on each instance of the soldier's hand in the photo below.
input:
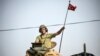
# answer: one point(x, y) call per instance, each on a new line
point(63, 28)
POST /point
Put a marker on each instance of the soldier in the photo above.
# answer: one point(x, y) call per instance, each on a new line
point(45, 37)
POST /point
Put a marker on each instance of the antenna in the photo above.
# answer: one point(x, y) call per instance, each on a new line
point(84, 49)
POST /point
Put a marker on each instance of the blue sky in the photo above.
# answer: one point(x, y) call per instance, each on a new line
point(31, 13)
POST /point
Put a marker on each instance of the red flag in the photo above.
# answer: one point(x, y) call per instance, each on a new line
point(71, 7)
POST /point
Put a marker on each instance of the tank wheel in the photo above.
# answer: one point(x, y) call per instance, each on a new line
point(39, 54)
point(27, 54)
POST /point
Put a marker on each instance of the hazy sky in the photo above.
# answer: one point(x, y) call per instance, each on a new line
point(31, 13)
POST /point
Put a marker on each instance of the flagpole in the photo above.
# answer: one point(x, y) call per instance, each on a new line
point(64, 26)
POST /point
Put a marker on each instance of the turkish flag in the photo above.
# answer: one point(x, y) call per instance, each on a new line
point(71, 7)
